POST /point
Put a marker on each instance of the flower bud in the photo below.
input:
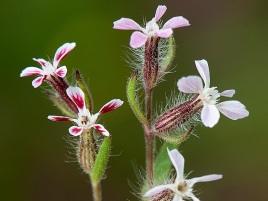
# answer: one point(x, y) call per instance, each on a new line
point(175, 117)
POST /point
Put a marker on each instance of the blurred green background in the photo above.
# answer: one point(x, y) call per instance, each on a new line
point(36, 163)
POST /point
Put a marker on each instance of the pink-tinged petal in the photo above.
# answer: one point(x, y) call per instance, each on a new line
point(210, 115)
point(160, 11)
point(77, 96)
point(190, 84)
point(178, 163)
point(62, 71)
point(101, 129)
point(138, 39)
point(164, 33)
point(206, 178)
point(62, 52)
point(59, 118)
point(75, 130)
point(176, 22)
point(126, 24)
point(110, 106)
point(228, 93)
point(233, 109)
point(157, 189)
point(31, 71)
point(41, 61)
point(202, 67)
point(38, 81)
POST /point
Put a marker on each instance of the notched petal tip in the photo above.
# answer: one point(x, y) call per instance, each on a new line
point(59, 118)
point(111, 105)
point(77, 96)
point(101, 129)
point(61, 72)
point(176, 22)
point(38, 81)
point(160, 11)
point(178, 161)
point(190, 84)
point(126, 24)
point(61, 52)
point(75, 130)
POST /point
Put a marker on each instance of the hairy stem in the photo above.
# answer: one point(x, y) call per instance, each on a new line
point(149, 139)
point(96, 189)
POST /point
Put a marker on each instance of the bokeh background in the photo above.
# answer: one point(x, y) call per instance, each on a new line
point(36, 163)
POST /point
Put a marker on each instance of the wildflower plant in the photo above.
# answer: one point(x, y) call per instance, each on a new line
point(152, 48)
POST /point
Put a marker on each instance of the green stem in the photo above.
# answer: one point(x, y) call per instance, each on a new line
point(96, 189)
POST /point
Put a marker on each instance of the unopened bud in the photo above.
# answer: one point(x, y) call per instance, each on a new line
point(175, 117)
point(151, 62)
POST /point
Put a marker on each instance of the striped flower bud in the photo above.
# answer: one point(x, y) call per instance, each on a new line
point(175, 117)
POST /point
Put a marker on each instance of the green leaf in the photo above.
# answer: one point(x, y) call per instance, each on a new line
point(81, 84)
point(162, 164)
point(132, 99)
point(101, 160)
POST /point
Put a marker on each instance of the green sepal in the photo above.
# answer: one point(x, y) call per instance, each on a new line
point(175, 140)
point(61, 105)
point(162, 164)
point(101, 160)
point(132, 99)
point(81, 84)
point(166, 62)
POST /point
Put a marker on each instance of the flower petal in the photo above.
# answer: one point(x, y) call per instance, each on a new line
point(190, 84)
point(160, 11)
point(110, 106)
point(31, 71)
point(164, 33)
point(157, 189)
point(77, 96)
point(210, 115)
point(176, 22)
point(62, 52)
point(177, 198)
point(62, 71)
point(38, 81)
point(202, 67)
point(101, 129)
point(178, 163)
point(138, 39)
point(126, 24)
point(59, 118)
point(75, 130)
point(41, 61)
point(206, 178)
point(228, 93)
point(192, 196)
point(233, 109)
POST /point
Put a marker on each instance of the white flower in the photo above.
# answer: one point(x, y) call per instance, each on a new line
point(209, 97)
point(182, 187)
point(85, 119)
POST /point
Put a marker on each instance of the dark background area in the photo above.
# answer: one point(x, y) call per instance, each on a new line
point(36, 163)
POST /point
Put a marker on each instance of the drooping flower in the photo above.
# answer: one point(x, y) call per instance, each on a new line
point(182, 187)
point(209, 96)
point(85, 120)
point(139, 37)
point(48, 68)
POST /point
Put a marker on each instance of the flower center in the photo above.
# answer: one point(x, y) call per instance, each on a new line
point(210, 95)
point(151, 28)
point(182, 187)
point(49, 69)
